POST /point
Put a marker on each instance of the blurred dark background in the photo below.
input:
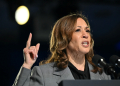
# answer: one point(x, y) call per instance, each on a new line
point(103, 15)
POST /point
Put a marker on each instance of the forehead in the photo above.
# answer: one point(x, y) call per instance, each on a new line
point(81, 22)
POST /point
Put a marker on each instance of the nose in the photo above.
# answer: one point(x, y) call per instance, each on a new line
point(84, 34)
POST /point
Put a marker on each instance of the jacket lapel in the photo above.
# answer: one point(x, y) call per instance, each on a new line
point(93, 76)
point(64, 74)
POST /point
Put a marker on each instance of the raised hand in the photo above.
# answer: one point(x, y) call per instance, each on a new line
point(30, 53)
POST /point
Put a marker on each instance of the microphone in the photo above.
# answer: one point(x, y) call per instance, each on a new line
point(115, 60)
point(99, 61)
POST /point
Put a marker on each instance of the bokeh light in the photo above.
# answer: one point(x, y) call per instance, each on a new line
point(22, 15)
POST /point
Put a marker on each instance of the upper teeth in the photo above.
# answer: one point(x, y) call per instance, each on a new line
point(84, 42)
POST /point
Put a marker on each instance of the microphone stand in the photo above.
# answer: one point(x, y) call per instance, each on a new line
point(109, 70)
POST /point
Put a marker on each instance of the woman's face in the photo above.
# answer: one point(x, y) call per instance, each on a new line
point(80, 41)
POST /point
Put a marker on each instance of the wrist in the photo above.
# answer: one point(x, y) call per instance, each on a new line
point(26, 66)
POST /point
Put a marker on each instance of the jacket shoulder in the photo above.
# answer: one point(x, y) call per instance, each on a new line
point(44, 68)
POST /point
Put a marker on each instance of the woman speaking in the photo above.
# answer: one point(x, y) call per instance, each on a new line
point(71, 47)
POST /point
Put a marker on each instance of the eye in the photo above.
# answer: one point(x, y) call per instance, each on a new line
point(87, 30)
point(77, 30)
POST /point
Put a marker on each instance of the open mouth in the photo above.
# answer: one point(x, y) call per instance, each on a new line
point(85, 43)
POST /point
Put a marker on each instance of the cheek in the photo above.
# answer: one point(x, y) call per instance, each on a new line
point(75, 37)
point(73, 43)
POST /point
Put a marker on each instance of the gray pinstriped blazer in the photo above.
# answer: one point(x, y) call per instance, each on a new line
point(49, 75)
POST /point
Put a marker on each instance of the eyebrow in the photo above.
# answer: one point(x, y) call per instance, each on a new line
point(85, 27)
point(79, 26)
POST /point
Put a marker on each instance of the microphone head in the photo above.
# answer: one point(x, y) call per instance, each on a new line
point(97, 59)
point(114, 59)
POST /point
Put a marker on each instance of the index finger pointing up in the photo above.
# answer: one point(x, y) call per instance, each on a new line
point(29, 41)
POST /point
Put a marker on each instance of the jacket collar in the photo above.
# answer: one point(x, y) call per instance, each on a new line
point(94, 76)
point(66, 74)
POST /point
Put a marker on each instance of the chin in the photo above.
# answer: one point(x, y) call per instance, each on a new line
point(86, 51)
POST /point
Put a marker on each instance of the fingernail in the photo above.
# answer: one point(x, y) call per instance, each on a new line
point(34, 58)
point(37, 56)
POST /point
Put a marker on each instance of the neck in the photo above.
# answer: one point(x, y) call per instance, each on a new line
point(77, 59)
